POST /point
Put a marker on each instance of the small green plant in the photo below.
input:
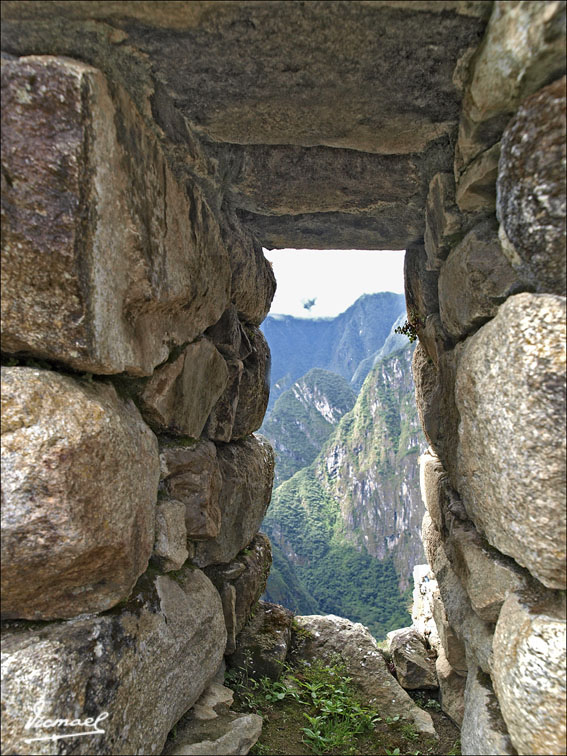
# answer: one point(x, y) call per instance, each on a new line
point(411, 327)
point(395, 752)
point(455, 749)
point(409, 732)
point(433, 704)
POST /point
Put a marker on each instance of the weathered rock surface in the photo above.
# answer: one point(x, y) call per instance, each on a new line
point(433, 484)
point(155, 654)
point(451, 689)
point(254, 387)
point(451, 645)
point(529, 670)
point(241, 583)
point(229, 336)
point(510, 396)
point(486, 575)
point(280, 110)
point(100, 272)
point(442, 220)
point(263, 643)
point(475, 279)
point(247, 470)
point(170, 547)
point(179, 396)
point(330, 635)
point(473, 632)
point(476, 188)
point(80, 472)
point(215, 699)
point(253, 283)
point(422, 299)
point(483, 730)
point(221, 420)
point(228, 734)
point(413, 659)
point(191, 475)
point(531, 189)
point(523, 49)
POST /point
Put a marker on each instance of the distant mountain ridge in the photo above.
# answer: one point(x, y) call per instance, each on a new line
point(337, 344)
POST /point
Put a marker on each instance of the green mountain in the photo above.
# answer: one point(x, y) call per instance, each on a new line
point(304, 417)
point(335, 344)
point(346, 528)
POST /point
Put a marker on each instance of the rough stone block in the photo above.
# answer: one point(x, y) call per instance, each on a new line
point(80, 473)
point(413, 660)
point(263, 643)
point(191, 475)
point(247, 470)
point(229, 336)
point(529, 670)
point(421, 291)
point(451, 645)
point(221, 420)
point(442, 220)
point(511, 451)
point(432, 479)
point(523, 49)
point(253, 281)
point(254, 388)
point(531, 189)
point(154, 655)
point(473, 632)
point(475, 279)
point(483, 730)
point(435, 401)
point(476, 188)
point(179, 396)
point(107, 260)
point(230, 733)
point(241, 583)
point(451, 689)
point(170, 547)
point(486, 575)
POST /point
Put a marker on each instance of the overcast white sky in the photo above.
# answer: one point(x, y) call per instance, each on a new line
point(334, 278)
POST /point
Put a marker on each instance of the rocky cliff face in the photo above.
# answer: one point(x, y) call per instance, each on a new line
point(149, 150)
point(303, 418)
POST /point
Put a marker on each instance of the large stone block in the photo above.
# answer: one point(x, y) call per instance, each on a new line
point(435, 401)
point(486, 575)
point(107, 260)
point(80, 472)
point(483, 730)
point(264, 642)
point(420, 285)
point(529, 670)
point(413, 660)
point(247, 470)
point(433, 481)
point(474, 280)
point(221, 420)
point(451, 645)
point(179, 396)
point(474, 633)
point(531, 189)
point(170, 547)
point(451, 689)
point(253, 281)
point(442, 220)
point(510, 393)
point(476, 188)
point(523, 49)
point(191, 475)
point(241, 583)
point(144, 665)
point(254, 388)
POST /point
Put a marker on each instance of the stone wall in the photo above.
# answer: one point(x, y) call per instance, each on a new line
point(148, 151)
point(486, 292)
point(134, 377)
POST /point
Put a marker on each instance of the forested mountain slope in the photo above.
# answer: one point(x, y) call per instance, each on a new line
point(303, 418)
point(346, 529)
